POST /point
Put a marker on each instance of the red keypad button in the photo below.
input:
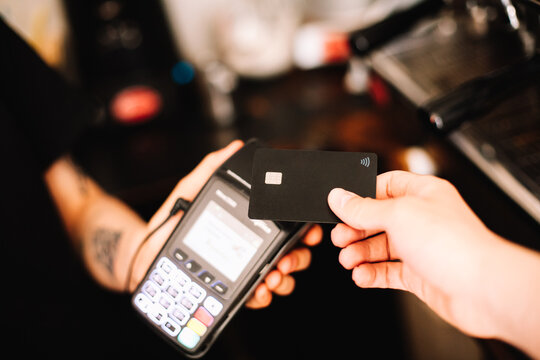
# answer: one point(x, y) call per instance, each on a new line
point(204, 316)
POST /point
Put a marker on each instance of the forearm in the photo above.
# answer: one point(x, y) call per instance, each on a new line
point(103, 229)
point(109, 232)
point(512, 294)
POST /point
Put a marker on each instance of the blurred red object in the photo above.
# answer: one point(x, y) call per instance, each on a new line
point(136, 104)
point(379, 91)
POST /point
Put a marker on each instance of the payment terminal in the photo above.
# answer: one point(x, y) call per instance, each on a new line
point(212, 261)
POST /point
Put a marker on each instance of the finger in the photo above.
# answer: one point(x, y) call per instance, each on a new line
point(286, 286)
point(262, 297)
point(273, 279)
point(343, 235)
point(393, 184)
point(397, 275)
point(379, 275)
point(358, 212)
point(313, 236)
point(296, 260)
point(194, 181)
point(373, 249)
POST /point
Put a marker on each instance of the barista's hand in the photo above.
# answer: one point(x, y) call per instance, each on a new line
point(278, 281)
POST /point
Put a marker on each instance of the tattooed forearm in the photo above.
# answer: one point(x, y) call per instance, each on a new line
point(105, 244)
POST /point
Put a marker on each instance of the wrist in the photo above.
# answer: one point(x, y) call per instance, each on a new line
point(130, 256)
point(511, 292)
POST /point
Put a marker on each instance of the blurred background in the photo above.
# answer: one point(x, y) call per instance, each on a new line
point(450, 88)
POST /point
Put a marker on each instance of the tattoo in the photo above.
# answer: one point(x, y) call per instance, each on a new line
point(81, 176)
point(105, 243)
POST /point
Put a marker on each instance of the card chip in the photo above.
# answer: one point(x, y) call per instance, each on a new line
point(273, 178)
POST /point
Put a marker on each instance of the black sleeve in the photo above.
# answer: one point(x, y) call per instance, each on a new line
point(49, 113)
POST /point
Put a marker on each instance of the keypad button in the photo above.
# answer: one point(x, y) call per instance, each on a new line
point(180, 315)
point(213, 305)
point(206, 277)
point(197, 326)
point(188, 338)
point(165, 301)
point(220, 288)
point(159, 277)
point(166, 266)
point(188, 304)
point(204, 316)
point(196, 292)
point(180, 255)
point(171, 327)
point(173, 291)
point(157, 314)
point(182, 279)
point(151, 289)
point(192, 266)
point(142, 302)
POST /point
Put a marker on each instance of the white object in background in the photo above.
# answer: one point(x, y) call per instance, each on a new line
point(252, 37)
point(325, 38)
point(316, 45)
point(349, 15)
point(356, 79)
point(255, 36)
point(191, 24)
point(419, 161)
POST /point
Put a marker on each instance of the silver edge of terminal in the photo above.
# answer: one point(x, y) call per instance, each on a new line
point(239, 178)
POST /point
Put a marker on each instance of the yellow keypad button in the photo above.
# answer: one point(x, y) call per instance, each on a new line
point(197, 326)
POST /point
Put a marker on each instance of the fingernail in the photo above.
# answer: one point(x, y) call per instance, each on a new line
point(338, 197)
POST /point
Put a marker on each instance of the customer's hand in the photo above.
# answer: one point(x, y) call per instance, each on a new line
point(420, 236)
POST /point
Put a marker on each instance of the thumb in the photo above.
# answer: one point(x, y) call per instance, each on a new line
point(359, 212)
point(192, 183)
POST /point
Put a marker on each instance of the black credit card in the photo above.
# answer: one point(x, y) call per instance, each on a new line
point(293, 185)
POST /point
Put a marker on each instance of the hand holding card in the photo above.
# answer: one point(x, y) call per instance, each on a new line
point(293, 185)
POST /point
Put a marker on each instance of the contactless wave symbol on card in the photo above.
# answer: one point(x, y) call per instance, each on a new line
point(365, 161)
